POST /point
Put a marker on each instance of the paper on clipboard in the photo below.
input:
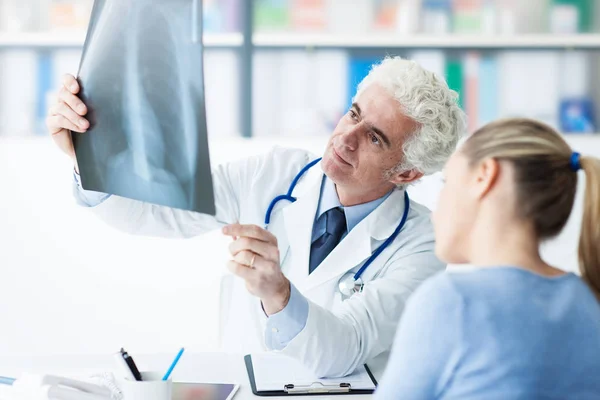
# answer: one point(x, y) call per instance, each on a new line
point(272, 372)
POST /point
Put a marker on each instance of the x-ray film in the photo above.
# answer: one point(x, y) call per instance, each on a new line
point(141, 75)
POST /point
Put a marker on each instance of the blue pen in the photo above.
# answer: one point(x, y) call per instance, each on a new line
point(173, 364)
point(6, 381)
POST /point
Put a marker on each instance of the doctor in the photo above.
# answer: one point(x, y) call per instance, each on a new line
point(327, 280)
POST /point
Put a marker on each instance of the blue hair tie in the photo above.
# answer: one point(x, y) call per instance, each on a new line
point(575, 163)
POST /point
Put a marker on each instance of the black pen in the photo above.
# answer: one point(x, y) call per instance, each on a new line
point(131, 364)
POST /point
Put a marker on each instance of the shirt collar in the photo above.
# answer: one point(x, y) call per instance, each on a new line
point(354, 214)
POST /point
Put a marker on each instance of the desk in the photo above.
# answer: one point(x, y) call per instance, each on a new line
point(199, 367)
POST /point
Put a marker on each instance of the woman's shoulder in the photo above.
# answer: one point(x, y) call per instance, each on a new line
point(502, 286)
point(438, 292)
point(519, 290)
point(491, 283)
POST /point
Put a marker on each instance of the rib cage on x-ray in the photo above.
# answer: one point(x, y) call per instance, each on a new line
point(142, 79)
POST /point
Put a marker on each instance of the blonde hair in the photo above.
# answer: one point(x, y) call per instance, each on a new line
point(546, 181)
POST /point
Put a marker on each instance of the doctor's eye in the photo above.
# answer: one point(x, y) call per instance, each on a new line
point(374, 139)
point(353, 114)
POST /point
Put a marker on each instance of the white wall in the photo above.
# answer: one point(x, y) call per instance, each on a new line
point(70, 284)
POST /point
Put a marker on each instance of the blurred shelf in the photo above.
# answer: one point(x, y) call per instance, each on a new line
point(301, 40)
point(391, 40)
point(76, 39)
point(223, 39)
point(42, 39)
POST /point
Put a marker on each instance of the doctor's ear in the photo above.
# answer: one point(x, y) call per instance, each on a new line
point(405, 177)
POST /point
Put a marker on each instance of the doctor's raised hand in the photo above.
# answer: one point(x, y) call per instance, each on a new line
point(67, 114)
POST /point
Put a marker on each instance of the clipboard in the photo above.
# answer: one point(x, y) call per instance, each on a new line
point(316, 389)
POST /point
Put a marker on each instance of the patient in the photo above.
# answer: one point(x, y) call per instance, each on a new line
point(515, 328)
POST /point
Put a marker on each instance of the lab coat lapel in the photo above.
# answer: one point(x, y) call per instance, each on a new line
point(298, 222)
point(360, 243)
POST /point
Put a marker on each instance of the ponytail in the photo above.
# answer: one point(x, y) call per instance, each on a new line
point(589, 242)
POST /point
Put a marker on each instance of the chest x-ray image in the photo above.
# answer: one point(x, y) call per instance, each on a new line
point(141, 75)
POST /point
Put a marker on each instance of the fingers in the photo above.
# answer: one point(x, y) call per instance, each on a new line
point(239, 270)
point(57, 123)
point(250, 231)
point(268, 251)
point(62, 109)
point(246, 258)
point(71, 83)
point(66, 115)
point(252, 260)
point(68, 110)
point(72, 101)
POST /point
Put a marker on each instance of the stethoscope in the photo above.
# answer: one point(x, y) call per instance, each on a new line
point(351, 282)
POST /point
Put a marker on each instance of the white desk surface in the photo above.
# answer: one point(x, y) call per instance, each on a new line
point(195, 367)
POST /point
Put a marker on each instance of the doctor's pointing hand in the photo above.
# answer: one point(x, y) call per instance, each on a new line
point(256, 260)
point(326, 248)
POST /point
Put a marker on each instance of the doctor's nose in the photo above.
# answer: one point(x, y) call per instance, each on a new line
point(349, 139)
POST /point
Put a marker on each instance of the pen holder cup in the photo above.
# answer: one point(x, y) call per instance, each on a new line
point(151, 387)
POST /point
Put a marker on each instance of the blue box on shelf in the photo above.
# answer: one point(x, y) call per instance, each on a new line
point(577, 115)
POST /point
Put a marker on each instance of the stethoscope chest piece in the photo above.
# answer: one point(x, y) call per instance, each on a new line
point(349, 286)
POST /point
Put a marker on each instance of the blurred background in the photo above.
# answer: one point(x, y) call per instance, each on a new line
point(277, 72)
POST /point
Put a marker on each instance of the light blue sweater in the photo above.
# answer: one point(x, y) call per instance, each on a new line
point(497, 333)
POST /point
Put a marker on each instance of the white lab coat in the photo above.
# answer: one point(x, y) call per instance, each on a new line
point(339, 335)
